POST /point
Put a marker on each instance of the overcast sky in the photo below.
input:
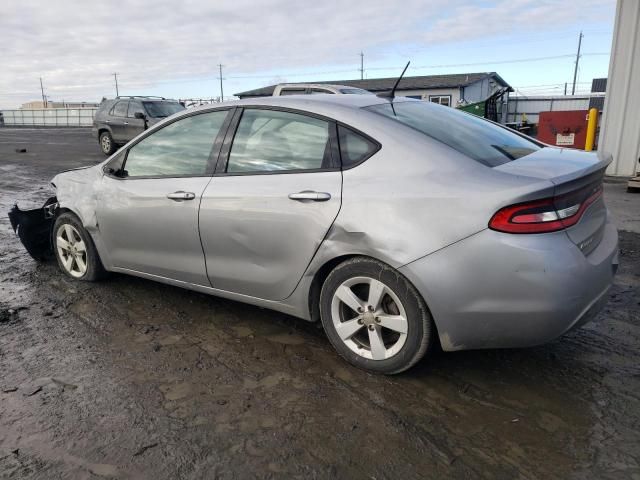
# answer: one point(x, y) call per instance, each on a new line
point(172, 48)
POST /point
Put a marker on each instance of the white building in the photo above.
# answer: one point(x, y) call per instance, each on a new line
point(620, 128)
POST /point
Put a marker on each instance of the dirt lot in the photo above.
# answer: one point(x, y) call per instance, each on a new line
point(132, 379)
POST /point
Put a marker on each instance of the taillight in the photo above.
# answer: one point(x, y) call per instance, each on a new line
point(546, 215)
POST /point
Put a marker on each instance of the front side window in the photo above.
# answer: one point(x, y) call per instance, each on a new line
point(315, 91)
point(470, 135)
point(440, 99)
point(273, 141)
point(162, 109)
point(120, 109)
point(135, 107)
point(181, 148)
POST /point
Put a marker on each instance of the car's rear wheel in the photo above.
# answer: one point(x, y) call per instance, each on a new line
point(106, 143)
point(74, 249)
point(374, 317)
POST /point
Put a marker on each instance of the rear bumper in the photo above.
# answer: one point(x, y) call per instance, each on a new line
point(497, 290)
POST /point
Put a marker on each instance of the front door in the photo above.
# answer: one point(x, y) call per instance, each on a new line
point(148, 213)
point(264, 216)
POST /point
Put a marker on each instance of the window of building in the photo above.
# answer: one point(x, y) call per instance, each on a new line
point(441, 99)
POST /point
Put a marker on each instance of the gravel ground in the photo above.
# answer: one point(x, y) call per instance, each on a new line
point(133, 379)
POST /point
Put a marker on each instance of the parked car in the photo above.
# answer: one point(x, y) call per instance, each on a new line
point(396, 223)
point(315, 88)
point(121, 119)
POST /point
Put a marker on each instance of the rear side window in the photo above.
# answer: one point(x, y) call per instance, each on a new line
point(354, 148)
point(273, 141)
point(291, 91)
point(472, 136)
point(119, 109)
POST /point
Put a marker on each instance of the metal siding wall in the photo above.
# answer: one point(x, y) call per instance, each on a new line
point(620, 131)
point(532, 106)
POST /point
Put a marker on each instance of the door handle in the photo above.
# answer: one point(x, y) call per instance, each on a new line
point(310, 195)
point(126, 123)
point(180, 195)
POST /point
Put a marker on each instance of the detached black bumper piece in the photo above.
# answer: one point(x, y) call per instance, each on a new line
point(34, 228)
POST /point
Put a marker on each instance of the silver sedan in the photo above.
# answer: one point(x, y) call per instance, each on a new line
point(397, 223)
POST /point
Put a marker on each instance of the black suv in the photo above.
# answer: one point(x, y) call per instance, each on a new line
point(119, 120)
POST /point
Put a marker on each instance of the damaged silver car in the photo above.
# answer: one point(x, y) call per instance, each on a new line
point(396, 223)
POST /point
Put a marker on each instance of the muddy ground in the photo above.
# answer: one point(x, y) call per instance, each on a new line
point(133, 379)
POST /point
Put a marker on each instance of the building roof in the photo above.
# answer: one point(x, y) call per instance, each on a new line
point(422, 82)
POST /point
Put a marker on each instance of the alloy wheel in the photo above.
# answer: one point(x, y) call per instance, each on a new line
point(71, 250)
point(106, 143)
point(369, 318)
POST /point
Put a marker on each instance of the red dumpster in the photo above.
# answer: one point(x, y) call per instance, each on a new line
point(563, 128)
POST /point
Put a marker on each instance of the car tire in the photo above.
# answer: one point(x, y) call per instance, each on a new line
point(74, 249)
point(374, 317)
point(106, 143)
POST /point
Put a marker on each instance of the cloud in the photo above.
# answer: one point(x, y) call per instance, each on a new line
point(76, 45)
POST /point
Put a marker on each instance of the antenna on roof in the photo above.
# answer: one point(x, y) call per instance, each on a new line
point(392, 93)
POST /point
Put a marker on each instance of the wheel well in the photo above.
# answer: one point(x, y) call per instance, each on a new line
point(316, 285)
point(322, 274)
point(102, 130)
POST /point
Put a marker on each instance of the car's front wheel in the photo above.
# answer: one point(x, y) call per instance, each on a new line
point(106, 143)
point(374, 317)
point(74, 249)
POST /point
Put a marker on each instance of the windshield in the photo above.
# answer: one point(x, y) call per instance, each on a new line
point(354, 91)
point(473, 136)
point(162, 109)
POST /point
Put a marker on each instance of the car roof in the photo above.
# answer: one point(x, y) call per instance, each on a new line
point(316, 85)
point(321, 103)
point(343, 108)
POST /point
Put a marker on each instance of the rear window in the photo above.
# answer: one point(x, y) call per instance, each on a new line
point(473, 136)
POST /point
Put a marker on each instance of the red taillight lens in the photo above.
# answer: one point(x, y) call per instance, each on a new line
point(546, 215)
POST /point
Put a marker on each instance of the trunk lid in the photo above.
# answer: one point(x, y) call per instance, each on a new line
point(570, 171)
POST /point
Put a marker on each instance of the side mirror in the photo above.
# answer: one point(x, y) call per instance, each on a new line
point(140, 115)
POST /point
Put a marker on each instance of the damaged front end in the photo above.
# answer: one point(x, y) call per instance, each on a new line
point(33, 227)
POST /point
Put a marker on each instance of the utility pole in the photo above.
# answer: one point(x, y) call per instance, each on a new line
point(220, 77)
point(565, 88)
point(115, 75)
point(361, 65)
point(575, 71)
point(44, 100)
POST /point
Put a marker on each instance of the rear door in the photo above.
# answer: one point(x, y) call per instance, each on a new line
point(116, 118)
point(275, 194)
